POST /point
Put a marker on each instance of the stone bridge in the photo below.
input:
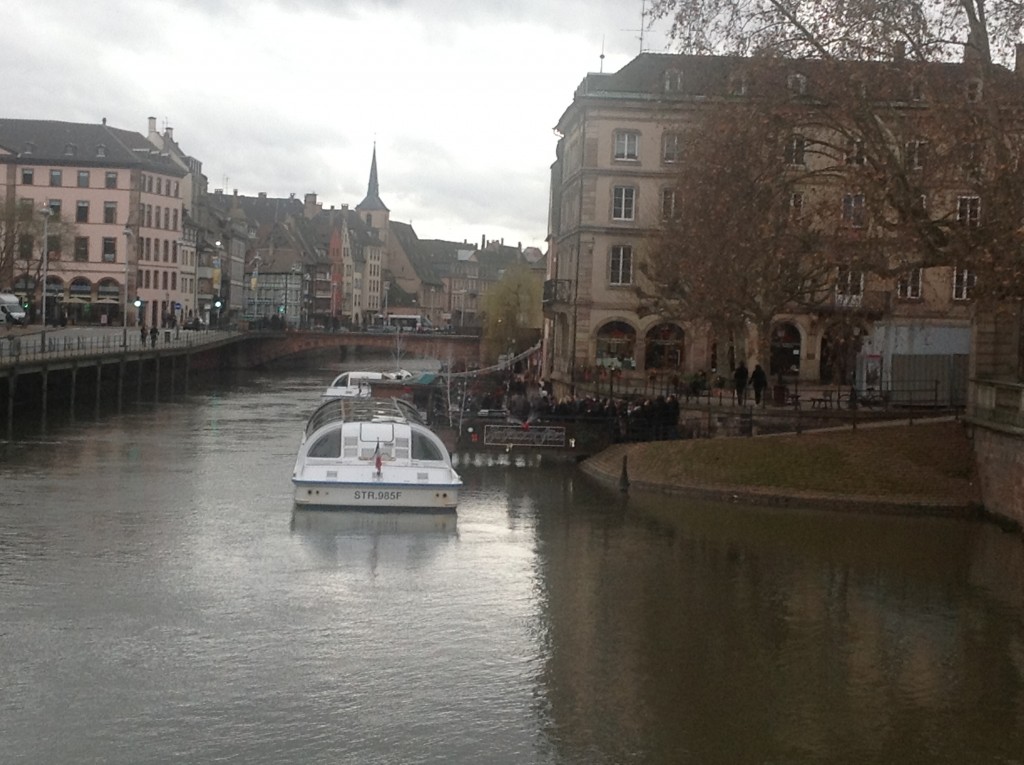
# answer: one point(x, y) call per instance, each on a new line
point(257, 349)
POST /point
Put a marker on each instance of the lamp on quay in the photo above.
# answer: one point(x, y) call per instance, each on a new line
point(46, 212)
point(124, 312)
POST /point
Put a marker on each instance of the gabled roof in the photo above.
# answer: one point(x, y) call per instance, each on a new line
point(81, 144)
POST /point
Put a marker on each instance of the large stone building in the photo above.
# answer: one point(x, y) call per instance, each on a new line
point(115, 205)
point(622, 147)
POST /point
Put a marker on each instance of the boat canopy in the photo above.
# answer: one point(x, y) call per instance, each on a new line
point(367, 410)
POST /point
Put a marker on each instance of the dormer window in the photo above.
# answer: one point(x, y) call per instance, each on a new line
point(972, 89)
point(797, 84)
point(101, 150)
point(29, 148)
point(855, 153)
point(673, 81)
point(738, 85)
point(917, 91)
point(70, 150)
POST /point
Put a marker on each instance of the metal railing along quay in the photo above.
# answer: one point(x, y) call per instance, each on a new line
point(21, 348)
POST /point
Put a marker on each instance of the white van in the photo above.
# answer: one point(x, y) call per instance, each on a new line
point(11, 311)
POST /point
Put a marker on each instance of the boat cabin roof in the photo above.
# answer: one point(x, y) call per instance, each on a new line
point(342, 410)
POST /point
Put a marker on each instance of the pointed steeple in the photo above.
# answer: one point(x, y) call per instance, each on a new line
point(372, 201)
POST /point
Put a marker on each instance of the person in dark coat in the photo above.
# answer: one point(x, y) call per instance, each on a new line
point(758, 381)
point(153, 332)
point(740, 377)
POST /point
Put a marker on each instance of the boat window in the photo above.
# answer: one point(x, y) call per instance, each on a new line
point(328, 445)
point(351, 446)
point(423, 448)
point(401, 448)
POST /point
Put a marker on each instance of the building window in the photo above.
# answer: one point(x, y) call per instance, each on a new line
point(797, 84)
point(83, 179)
point(796, 205)
point(854, 211)
point(147, 279)
point(27, 176)
point(623, 203)
point(55, 177)
point(159, 186)
point(738, 85)
point(174, 220)
point(915, 154)
point(109, 249)
point(81, 249)
point(963, 283)
point(855, 153)
point(673, 81)
point(968, 211)
point(55, 208)
point(670, 204)
point(110, 212)
point(82, 212)
point(167, 217)
point(167, 251)
point(101, 150)
point(972, 90)
point(627, 145)
point(671, 148)
point(111, 179)
point(795, 150)
point(25, 244)
point(849, 286)
point(620, 266)
point(908, 286)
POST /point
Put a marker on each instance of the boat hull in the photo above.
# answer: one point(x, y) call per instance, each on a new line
point(376, 496)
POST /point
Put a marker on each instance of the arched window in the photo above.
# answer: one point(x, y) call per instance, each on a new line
point(616, 345)
point(664, 347)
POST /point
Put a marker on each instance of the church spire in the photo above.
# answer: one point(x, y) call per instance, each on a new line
point(372, 201)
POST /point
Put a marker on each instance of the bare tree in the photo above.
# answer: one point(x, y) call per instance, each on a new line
point(743, 240)
point(933, 150)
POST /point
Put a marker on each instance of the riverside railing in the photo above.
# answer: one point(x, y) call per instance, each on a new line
point(18, 349)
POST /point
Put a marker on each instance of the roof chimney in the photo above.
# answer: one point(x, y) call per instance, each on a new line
point(152, 125)
point(899, 50)
point(483, 242)
point(169, 132)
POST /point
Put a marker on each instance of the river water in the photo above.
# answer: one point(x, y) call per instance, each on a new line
point(161, 602)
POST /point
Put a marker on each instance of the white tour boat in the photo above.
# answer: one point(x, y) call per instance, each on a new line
point(373, 454)
point(356, 384)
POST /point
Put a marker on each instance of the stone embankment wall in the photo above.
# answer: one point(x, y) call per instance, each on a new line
point(1000, 460)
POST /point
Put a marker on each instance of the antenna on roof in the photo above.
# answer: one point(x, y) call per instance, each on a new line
point(643, 19)
point(602, 54)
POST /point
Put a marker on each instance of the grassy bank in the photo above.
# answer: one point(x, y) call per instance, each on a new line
point(930, 462)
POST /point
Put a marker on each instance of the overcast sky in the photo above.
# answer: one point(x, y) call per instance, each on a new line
point(285, 97)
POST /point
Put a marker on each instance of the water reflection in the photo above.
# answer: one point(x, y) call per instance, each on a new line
point(350, 522)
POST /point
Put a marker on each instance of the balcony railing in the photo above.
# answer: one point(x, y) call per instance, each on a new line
point(557, 291)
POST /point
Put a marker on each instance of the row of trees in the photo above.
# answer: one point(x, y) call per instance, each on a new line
point(759, 228)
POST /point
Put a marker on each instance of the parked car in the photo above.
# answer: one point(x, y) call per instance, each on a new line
point(194, 323)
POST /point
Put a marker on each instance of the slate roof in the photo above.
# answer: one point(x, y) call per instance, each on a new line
point(81, 145)
point(644, 78)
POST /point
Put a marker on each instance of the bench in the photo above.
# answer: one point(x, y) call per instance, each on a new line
point(824, 401)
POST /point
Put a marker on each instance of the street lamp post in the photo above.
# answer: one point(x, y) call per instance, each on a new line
point(124, 314)
point(46, 213)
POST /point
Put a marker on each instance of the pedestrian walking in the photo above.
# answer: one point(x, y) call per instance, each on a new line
point(142, 332)
point(740, 377)
point(153, 332)
point(759, 382)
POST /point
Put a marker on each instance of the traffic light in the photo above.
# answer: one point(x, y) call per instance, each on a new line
point(24, 303)
point(137, 302)
point(280, 309)
point(217, 303)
